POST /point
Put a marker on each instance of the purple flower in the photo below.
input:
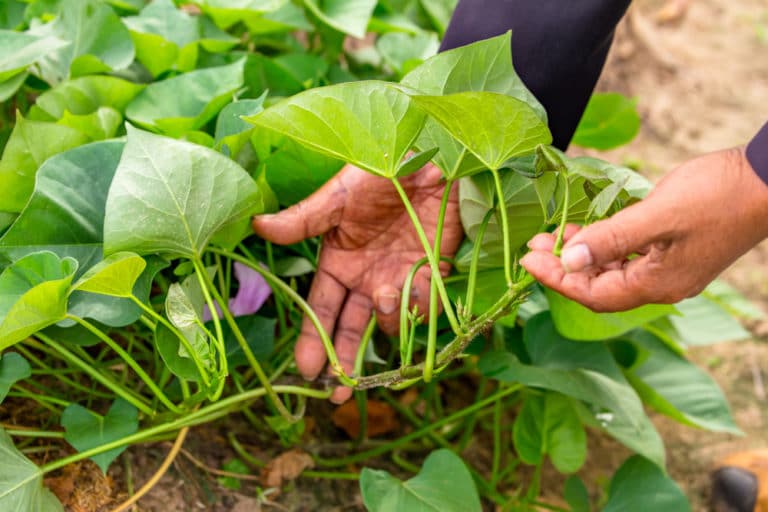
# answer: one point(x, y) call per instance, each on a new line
point(252, 294)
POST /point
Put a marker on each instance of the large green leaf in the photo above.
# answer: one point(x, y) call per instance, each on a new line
point(482, 66)
point(33, 295)
point(443, 484)
point(19, 50)
point(674, 386)
point(369, 124)
point(65, 214)
point(173, 197)
point(21, 482)
point(577, 322)
point(115, 275)
point(610, 120)
point(703, 321)
point(13, 368)
point(516, 131)
point(85, 429)
point(99, 41)
point(161, 107)
point(86, 94)
point(549, 425)
point(348, 16)
point(640, 485)
point(583, 371)
point(24, 154)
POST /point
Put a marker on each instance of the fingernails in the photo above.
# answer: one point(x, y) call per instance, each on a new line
point(387, 303)
point(576, 258)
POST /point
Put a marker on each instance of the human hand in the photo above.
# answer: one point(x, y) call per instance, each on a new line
point(369, 246)
point(695, 223)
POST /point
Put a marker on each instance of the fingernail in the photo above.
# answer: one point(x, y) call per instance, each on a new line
point(387, 303)
point(576, 258)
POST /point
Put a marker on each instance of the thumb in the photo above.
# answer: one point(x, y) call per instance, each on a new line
point(613, 239)
point(313, 216)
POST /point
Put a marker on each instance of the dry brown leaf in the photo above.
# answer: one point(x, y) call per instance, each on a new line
point(382, 418)
point(286, 466)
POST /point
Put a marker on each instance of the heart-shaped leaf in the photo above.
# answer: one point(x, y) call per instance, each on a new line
point(99, 41)
point(640, 485)
point(13, 368)
point(161, 108)
point(115, 275)
point(171, 197)
point(21, 482)
point(19, 50)
point(33, 295)
point(347, 16)
point(23, 155)
point(443, 484)
point(517, 128)
point(369, 124)
point(85, 429)
point(610, 120)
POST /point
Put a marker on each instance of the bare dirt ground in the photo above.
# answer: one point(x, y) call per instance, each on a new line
point(701, 80)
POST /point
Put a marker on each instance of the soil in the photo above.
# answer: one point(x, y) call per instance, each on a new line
point(701, 80)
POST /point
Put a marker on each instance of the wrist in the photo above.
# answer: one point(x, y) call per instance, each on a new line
point(754, 189)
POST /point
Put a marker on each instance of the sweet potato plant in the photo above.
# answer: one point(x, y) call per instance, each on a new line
point(135, 303)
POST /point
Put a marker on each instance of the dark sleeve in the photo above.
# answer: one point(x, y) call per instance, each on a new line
point(558, 48)
point(757, 153)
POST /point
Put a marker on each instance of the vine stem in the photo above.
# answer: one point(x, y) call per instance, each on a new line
point(504, 227)
point(472, 281)
point(447, 307)
point(333, 359)
point(130, 361)
point(405, 295)
point(558, 249)
point(205, 282)
point(97, 376)
point(203, 415)
point(182, 339)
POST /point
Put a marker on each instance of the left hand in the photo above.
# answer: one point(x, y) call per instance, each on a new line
point(369, 246)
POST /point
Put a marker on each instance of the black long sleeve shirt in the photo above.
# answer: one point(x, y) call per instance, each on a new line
point(559, 48)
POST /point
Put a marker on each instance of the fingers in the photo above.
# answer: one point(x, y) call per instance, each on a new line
point(546, 241)
point(386, 300)
point(313, 216)
point(349, 331)
point(326, 297)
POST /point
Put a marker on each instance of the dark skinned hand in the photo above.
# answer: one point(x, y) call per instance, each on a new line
point(695, 223)
point(369, 246)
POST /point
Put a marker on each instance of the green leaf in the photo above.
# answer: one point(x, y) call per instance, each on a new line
point(260, 334)
point(85, 95)
point(13, 368)
point(284, 75)
point(728, 298)
point(610, 120)
point(99, 41)
point(440, 12)
point(19, 50)
point(576, 495)
point(10, 86)
point(443, 484)
point(232, 132)
point(640, 485)
point(465, 116)
point(549, 425)
point(160, 107)
point(21, 482)
point(169, 346)
point(115, 275)
point(24, 154)
point(577, 322)
point(403, 52)
point(233, 466)
point(677, 388)
point(33, 295)
point(100, 125)
point(369, 124)
point(585, 371)
point(228, 12)
point(12, 14)
point(85, 429)
point(416, 162)
point(171, 197)
point(702, 321)
point(347, 16)
point(184, 308)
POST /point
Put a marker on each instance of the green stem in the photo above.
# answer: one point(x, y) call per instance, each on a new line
point(472, 282)
point(330, 475)
point(558, 249)
point(182, 339)
point(502, 205)
point(416, 434)
point(98, 377)
point(433, 263)
point(258, 370)
point(370, 329)
point(429, 359)
point(333, 359)
point(205, 283)
point(203, 415)
point(37, 434)
point(130, 361)
point(278, 296)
